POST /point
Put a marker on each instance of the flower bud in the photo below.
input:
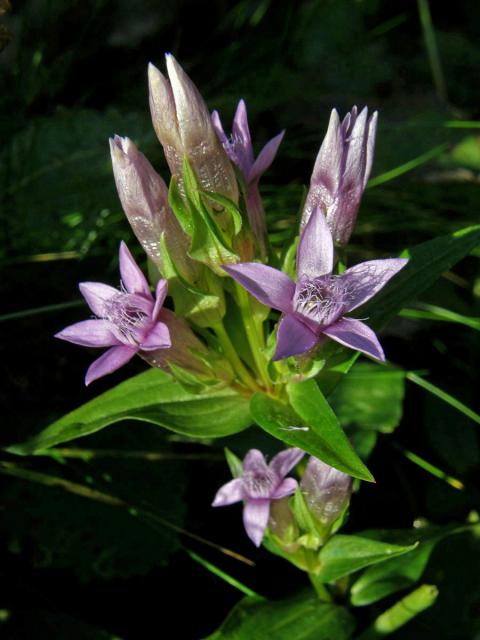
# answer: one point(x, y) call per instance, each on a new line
point(341, 171)
point(326, 492)
point(144, 198)
point(182, 122)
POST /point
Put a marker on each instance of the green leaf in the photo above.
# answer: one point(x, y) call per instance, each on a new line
point(370, 397)
point(154, 397)
point(427, 262)
point(300, 617)
point(380, 581)
point(343, 555)
point(315, 427)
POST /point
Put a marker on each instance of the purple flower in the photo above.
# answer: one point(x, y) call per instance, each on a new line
point(240, 151)
point(259, 484)
point(326, 491)
point(127, 321)
point(183, 125)
point(316, 305)
point(341, 171)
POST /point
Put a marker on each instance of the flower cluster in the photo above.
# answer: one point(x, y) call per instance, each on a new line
point(206, 240)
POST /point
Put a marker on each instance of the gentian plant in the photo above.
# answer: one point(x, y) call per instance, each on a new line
point(236, 331)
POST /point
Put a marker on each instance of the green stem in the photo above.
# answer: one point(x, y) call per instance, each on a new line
point(232, 355)
point(321, 590)
point(254, 334)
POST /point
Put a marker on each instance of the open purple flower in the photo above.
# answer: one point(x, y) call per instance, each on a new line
point(317, 303)
point(259, 484)
point(127, 320)
point(240, 151)
point(341, 171)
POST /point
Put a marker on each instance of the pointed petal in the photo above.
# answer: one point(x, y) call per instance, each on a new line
point(96, 295)
point(366, 279)
point(286, 488)
point(265, 157)
point(356, 150)
point(315, 249)
point(272, 287)
point(240, 128)
point(110, 361)
point(164, 117)
point(293, 338)
point(160, 295)
point(157, 338)
point(254, 461)
point(284, 461)
point(132, 277)
point(356, 335)
point(255, 519)
point(90, 333)
point(371, 135)
point(217, 125)
point(229, 493)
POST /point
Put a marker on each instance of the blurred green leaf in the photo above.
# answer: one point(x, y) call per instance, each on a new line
point(344, 554)
point(381, 580)
point(302, 616)
point(154, 397)
point(370, 397)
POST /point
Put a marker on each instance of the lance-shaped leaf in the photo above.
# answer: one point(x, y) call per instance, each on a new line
point(343, 555)
point(301, 616)
point(310, 425)
point(153, 397)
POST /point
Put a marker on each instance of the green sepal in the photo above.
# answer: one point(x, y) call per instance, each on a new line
point(234, 463)
point(204, 308)
point(229, 206)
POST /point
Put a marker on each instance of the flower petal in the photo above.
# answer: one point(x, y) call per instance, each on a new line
point(272, 287)
point(132, 277)
point(286, 488)
point(356, 335)
point(229, 493)
point(371, 135)
point(254, 461)
point(217, 125)
point(293, 338)
point(364, 280)
point(284, 461)
point(160, 295)
point(242, 139)
point(96, 295)
point(315, 249)
point(255, 519)
point(110, 361)
point(157, 338)
point(265, 157)
point(90, 333)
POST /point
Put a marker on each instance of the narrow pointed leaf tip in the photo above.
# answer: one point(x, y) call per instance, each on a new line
point(126, 320)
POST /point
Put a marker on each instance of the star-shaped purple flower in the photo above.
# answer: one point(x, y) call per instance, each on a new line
point(127, 320)
point(317, 303)
point(239, 149)
point(259, 484)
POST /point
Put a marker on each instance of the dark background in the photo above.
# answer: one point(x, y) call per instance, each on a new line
point(74, 73)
